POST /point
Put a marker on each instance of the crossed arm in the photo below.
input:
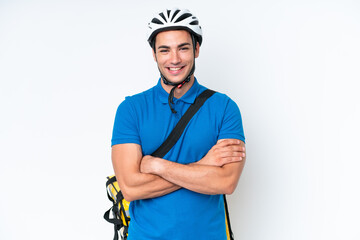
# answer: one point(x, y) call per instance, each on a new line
point(148, 177)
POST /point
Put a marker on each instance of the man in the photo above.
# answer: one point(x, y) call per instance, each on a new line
point(180, 196)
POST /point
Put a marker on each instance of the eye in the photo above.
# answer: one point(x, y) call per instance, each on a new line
point(184, 48)
point(164, 50)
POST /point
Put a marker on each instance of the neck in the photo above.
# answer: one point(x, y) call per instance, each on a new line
point(179, 92)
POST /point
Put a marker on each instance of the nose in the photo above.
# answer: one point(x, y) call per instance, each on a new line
point(175, 57)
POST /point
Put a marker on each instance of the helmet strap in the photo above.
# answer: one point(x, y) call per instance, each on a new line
point(176, 85)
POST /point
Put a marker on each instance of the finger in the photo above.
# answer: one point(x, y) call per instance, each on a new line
point(226, 142)
point(232, 160)
point(230, 148)
point(232, 154)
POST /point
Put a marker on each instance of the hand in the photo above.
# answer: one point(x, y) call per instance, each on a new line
point(223, 152)
point(145, 165)
point(149, 164)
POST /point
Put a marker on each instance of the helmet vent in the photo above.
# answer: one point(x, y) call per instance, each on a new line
point(175, 13)
point(182, 17)
point(196, 22)
point(162, 15)
point(157, 21)
point(168, 12)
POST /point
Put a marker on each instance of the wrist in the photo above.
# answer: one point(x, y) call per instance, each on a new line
point(202, 161)
point(157, 166)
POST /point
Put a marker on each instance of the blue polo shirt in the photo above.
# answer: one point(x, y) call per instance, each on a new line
point(147, 120)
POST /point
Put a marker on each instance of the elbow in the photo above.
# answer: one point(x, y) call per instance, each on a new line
point(128, 197)
point(230, 189)
point(127, 192)
point(230, 186)
point(130, 189)
point(232, 179)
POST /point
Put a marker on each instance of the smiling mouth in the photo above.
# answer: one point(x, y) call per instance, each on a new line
point(174, 68)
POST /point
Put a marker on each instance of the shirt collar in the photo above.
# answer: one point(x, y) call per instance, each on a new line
point(188, 97)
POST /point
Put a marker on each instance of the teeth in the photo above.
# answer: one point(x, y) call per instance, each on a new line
point(174, 69)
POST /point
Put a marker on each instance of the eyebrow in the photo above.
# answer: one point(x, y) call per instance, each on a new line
point(179, 46)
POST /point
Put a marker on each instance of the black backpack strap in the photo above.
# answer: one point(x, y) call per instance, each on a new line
point(180, 126)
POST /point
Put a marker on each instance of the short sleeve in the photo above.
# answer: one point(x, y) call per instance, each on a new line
point(232, 126)
point(125, 125)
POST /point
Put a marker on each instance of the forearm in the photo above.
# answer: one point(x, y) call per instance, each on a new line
point(200, 178)
point(145, 185)
point(135, 185)
point(216, 173)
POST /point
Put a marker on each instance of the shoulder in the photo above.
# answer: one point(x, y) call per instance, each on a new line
point(142, 96)
point(231, 120)
point(137, 100)
point(222, 97)
point(222, 101)
point(219, 102)
point(218, 96)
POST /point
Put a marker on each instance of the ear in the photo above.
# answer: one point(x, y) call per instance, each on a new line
point(197, 49)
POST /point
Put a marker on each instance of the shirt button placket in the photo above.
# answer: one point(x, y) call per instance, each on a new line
point(177, 108)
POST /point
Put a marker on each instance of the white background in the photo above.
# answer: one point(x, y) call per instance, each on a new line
point(292, 67)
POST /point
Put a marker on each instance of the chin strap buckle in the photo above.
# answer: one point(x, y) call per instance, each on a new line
point(181, 84)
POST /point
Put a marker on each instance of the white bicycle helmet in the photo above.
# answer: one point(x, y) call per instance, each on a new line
point(174, 19)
